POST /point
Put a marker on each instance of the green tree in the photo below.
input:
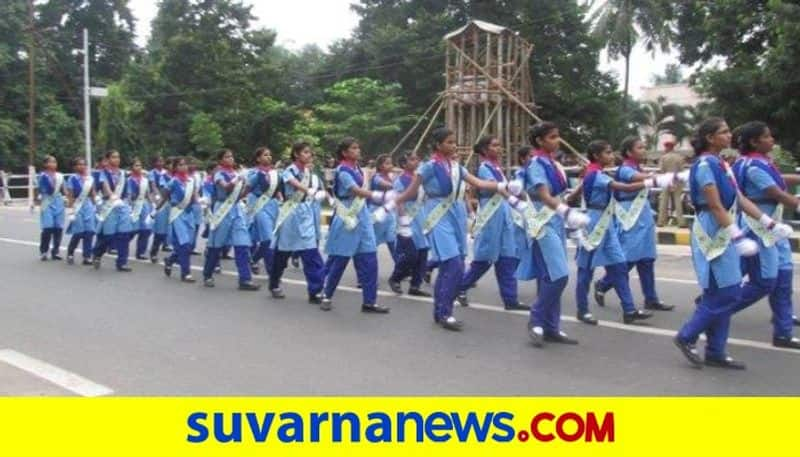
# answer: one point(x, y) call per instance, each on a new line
point(117, 127)
point(672, 75)
point(205, 134)
point(653, 118)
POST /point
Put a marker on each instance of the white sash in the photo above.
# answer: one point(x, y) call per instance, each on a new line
point(87, 184)
point(439, 211)
point(264, 198)
point(767, 237)
point(628, 218)
point(288, 207)
point(217, 217)
point(350, 215)
point(58, 182)
point(138, 204)
point(600, 229)
point(188, 193)
point(117, 194)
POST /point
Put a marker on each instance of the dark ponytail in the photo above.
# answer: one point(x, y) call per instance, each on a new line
point(440, 135)
point(707, 127)
point(628, 143)
point(744, 135)
point(523, 153)
point(298, 147)
point(482, 145)
point(344, 145)
point(595, 148)
point(540, 130)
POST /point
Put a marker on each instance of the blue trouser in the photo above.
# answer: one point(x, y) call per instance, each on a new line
point(647, 279)
point(617, 274)
point(117, 241)
point(49, 234)
point(181, 255)
point(263, 252)
point(76, 238)
point(780, 300)
point(504, 270)
point(241, 255)
point(410, 262)
point(392, 245)
point(757, 287)
point(712, 316)
point(313, 269)
point(366, 270)
point(546, 309)
point(159, 239)
point(445, 289)
point(142, 237)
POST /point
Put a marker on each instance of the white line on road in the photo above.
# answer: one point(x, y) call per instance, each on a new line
point(607, 324)
point(58, 376)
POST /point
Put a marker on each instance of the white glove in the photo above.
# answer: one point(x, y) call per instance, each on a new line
point(98, 200)
point(389, 195)
point(573, 218)
point(380, 214)
point(664, 181)
point(157, 197)
point(517, 204)
point(70, 217)
point(404, 231)
point(115, 202)
point(515, 187)
point(404, 221)
point(376, 196)
point(744, 246)
point(780, 230)
point(683, 176)
point(390, 205)
point(320, 195)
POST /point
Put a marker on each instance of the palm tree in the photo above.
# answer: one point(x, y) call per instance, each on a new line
point(653, 118)
point(621, 24)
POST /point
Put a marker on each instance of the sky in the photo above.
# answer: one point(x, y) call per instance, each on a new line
point(333, 19)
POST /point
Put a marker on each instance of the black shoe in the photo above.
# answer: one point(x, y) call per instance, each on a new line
point(427, 278)
point(315, 299)
point(659, 306)
point(796, 321)
point(726, 362)
point(124, 269)
point(196, 253)
point(189, 279)
point(249, 286)
point(167, 269)
point(536, 334)
point(96, 263)
point(56, 257)
point(326, 304)
point(462, 299)
point(587, 318)
point(697, 300)
point(396, 287)
point(141, 257)
point(374, 309)
point(451, 323)
point(599, 296)
point(255, 268)
point(689, 351)
point(277, 293)
point(517, 307)
point(43, 257)
point(70, 260)
point(638, 315)
point(154, 259)
point(217, 269)
point(788, 343)
point(86, 262)
point(560, 338)
point(208, 282)
point(166, 248)
point(295, 262)
point(418, 292)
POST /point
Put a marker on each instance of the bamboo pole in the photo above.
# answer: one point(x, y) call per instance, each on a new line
point(428, 128)
point(419, 121)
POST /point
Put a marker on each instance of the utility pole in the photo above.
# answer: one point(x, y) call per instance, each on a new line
point(31, 104)
point(87, 109)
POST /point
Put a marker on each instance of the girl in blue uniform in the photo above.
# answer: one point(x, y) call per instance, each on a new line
point(114, 216)
point(545, 182)
point(141, 208)
point(412, 246)
point(445, 221)
point(295, 227)
point(81, 223)
point(385, 230)
point(636, 224)
point(351, 233)
point(263, 202)
point(197, 208)
point(179, 198)
point(770, 272)
point(494, 232)
point(717, 246)
point(50, 184)
point(601, 247)
point(158, 178)
point(228, 223)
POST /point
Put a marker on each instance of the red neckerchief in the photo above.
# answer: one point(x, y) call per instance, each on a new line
point(408, 174)
point(226, 168)
point(385, 176)
point(592, 167)
point(765, 158)
point(300, 166)
point(546, 155)
point(350, 163)
point(180, 176)
point(632, 163)
point(438, 157)
point(266, 169)
point(541, 153)
point(492, 162)
point(136, 176)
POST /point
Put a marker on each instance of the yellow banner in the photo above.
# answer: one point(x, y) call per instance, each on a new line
point(399, 426)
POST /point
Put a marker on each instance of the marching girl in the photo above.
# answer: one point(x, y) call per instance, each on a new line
point(637, 234)
point(197, 208)
point(158, 178)
point(81, 224)
point(51, 185)
point(295, 227)
point(717, 245)
point(494, 244)
point(521, 238)
point(138, 193)
point(179, 197)
point(385, 230)
point(263, 186)
point(770, 272)
point(228, 223)
point(351, 233)
point(545, 182)
point(601, 247)
point(445, 223)
point(412, 246)
point(114, 216)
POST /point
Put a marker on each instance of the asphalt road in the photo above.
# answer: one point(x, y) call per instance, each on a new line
point(144, 334)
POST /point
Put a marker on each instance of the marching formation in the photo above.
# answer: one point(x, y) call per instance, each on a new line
point(740, 247)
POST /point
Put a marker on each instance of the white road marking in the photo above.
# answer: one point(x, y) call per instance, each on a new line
point(607, 324)
point(58, 376)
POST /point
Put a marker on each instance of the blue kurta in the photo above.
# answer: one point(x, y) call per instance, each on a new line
point(232, 230)
point(263, 222)
point(132, 191)
point(520, 227)
point(85, 220)
point(548, 258)
point(448, 238)
point(52, 208)
point(400, 185)
point(298, 232)
point(597, 193)
point(639, 242)
point(119, 219)
point(183, 227)
point(709, 170)
point(361, 239)
point(386, 231)
point(497, 238)
point(158, 181)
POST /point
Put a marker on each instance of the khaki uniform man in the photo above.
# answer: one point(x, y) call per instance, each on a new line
point(672, 162)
